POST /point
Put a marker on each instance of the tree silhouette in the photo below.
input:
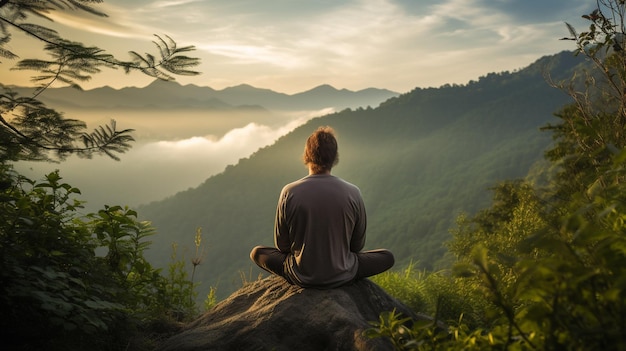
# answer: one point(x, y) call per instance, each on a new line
point(31, 131)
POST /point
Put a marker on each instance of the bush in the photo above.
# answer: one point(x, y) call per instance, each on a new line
point(76, 282)
point(437, 294)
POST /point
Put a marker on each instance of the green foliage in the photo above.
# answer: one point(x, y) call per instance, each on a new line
point(557, 286)
point(450, 298)
point(408, 287)
point(80, 282)
point(46, 258)
point(405, 334)
point(179, 289)
point(434, 293)
point(549, 260)
point(211, 299)
point(196, 260)
point(69, 281)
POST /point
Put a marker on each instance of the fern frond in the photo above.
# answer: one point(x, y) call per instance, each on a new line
point(4, 52)
point(178, 65)
point(572, 31)
point(45, 33)
point(164, 47)
point(81, 5)
point(107, 140)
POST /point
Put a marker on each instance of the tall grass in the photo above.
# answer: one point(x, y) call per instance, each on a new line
point(437, 294)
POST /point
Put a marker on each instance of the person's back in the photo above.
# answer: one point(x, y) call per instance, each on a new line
point(321, 219)
point(320, 225)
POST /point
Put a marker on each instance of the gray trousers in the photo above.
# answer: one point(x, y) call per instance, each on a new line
point(371, 262)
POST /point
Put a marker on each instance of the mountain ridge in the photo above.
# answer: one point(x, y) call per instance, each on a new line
point(164, 94)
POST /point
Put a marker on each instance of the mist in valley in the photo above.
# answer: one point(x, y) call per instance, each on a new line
point(174, 150)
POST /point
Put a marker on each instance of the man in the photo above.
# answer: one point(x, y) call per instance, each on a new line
point(320, 224)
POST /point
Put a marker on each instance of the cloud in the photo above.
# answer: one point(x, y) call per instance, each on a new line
point(237, 143)
point(116, 24)
point(538, 11)
point(243, 54)
point(292, 46)
point(152, 171)
point(172, 3)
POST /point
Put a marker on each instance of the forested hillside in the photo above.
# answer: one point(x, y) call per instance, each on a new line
point(420, 160)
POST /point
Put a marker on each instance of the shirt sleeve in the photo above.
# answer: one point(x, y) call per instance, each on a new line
point(357, 242)
point(281, 228)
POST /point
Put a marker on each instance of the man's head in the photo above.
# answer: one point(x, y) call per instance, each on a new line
point(320, 151)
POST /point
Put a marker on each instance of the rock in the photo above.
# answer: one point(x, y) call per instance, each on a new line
point(271, 314)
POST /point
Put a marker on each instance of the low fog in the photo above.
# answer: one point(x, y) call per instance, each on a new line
point(162, 162)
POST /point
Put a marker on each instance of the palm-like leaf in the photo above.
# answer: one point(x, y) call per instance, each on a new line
point(171, 60)
point(28, 129)
point(106, 139)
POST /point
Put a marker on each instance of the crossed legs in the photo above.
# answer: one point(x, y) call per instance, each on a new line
point(370, 262)
point(270, 259)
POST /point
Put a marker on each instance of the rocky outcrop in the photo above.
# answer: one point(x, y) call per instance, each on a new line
point(271, 314)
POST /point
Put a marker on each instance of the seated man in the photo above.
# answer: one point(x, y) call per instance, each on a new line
point(320, 225)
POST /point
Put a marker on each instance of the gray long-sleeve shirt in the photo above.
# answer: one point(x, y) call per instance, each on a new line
point(320, 222)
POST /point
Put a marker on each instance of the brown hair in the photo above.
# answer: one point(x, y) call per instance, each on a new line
point(320, 150)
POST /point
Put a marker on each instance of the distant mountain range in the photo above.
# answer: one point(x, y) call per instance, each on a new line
point(171, 95)
point(170, 112)
point(420, 159)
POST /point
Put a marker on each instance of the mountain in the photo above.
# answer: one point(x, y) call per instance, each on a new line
point(166, 95)
point(196, 129)
point(420, 159)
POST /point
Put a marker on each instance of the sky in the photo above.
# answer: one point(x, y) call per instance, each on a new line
point(288, 46)
point(291, 46)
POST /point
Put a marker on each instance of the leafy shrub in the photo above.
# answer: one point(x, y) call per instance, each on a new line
point(77, 282)
point(407, 287)
point(549, 261)
point(437, 294)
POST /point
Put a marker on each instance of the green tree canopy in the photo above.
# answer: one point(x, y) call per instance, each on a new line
point(69, 281)
point(548, 261)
